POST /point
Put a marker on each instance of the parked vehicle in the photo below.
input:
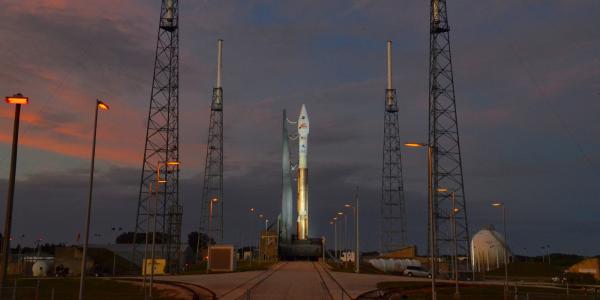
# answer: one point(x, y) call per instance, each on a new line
point(411, 271)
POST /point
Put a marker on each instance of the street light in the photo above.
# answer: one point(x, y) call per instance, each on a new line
point(99, 105)
point(115, 230)
point(158, 181)
point(344, 237)
point(18, 100)
point(335, 237)
point(432, 226)
point(501, 205)
point(453, 213)
point(357, 249)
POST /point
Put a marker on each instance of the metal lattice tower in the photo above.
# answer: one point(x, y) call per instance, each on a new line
point(211, 222)
point(444, 138)
point(162, 146)
point(393, 216)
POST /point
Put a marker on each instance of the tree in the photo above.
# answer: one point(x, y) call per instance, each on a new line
point(204, 240)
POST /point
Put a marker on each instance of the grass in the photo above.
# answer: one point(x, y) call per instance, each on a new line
point(68, 288)
point(422, 290)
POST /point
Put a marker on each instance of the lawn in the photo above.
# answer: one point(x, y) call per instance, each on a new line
point(422, 290)
point(68, 288)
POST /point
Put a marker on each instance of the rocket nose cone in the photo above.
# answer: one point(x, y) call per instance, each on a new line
point(303, 114)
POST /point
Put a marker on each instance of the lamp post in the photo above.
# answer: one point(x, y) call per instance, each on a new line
point(344, 234)
point(356, 249)
point(498, 205)
point(335, 237)
point(430, 152)
point(18, 100)
point(103, 106)
point(158, 181)
point(115, 230)
point(213, 201)
point(453, 213)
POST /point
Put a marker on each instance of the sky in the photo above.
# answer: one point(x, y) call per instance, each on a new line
point(527, 79)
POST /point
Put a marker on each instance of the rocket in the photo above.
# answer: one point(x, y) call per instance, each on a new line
point(303, 128)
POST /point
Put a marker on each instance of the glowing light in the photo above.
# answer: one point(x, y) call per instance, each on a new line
point(102, 105)
point(17, 99)
point(415, 145)
point(442, 190)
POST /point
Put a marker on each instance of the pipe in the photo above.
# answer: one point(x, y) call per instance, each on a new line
point(389, 65)
point(219, 61)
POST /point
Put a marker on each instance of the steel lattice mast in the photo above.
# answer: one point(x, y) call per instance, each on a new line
point(444, 138)
point(393, 216)
point(211, 219)
point(162, 145)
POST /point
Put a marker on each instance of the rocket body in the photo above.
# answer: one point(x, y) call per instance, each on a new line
point(303, 129)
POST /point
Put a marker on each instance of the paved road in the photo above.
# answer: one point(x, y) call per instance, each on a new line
point(293, 280)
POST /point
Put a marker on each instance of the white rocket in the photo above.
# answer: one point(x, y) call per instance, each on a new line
point(303, 128)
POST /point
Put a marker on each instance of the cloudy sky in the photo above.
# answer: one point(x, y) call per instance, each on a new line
point(527, 77)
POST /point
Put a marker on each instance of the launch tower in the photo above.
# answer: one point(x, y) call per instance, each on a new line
point(211, 215)
point(162, 146)
point(444, 138)
point(393, 215)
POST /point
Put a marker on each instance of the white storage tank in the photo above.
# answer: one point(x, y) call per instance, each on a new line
point(487, 250)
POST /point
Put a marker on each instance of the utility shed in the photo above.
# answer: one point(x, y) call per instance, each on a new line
point(588, 266)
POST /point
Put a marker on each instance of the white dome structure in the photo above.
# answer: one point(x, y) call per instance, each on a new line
point(487, 250)
point(40, 268)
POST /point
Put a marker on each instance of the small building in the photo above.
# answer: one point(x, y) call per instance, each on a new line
point(269, 243)
point(587, 266)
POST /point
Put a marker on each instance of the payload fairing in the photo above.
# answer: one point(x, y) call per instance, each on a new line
point(303, 129)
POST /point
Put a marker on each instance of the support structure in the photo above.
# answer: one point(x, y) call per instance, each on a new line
point(393, 216)
point(211, 215)
point(162, 144)
point(285, 231)
point(444, 138)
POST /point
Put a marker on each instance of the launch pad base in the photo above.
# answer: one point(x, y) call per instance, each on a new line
point(309, 249)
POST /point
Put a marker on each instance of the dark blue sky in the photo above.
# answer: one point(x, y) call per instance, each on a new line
point(527, 77)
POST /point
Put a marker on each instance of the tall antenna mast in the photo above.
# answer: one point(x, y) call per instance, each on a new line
point(444, 138)
point(162, 145)
point(393, 216)
point(211, 215)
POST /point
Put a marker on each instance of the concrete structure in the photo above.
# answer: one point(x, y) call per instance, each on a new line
point(487, 250)
point(587, 266)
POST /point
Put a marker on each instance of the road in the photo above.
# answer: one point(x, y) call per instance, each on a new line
point(293, 280)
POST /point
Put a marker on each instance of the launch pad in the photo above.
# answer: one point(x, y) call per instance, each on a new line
point(307, 249)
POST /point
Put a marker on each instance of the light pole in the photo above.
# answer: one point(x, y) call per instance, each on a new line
point(501, 204)
point(344, 235)
point(213, 201)
point(115, 230)
point(356, 249)
point(103, 106)
point(335, 237)
point(158, 181)
point(453, 213)
point(18, 100)
point(430, 152)
point(548, 252)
